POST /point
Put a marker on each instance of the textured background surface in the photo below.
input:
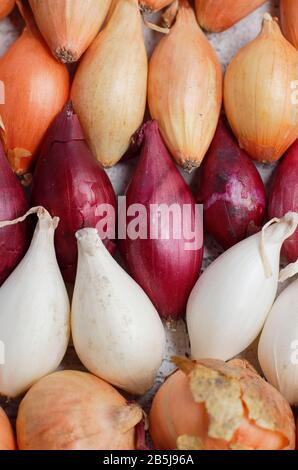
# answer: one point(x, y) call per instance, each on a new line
point(226, 45)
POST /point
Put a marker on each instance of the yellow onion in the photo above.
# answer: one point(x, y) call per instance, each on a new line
point(154, 5)
point(109, 89)
point(212, 405)
point(5, 7)
point(71, 410)
point(218, 15)
point(260, 94)
point(185, 89)
point(69, 26)
point(289, 20)
point(7, 441)
point(36, 87)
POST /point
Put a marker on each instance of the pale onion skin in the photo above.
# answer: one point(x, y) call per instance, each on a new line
point(257, 94)
point(226, 313)
point(154, 5)
point(6, 7)
point(185, 89)
point(218, 15)
point(7, 441)
point(179, 420)
point(289, 20)
point(116, 330)
point(35, 314)
point(69, 26)
point(36, 89)
point(71, 410)
point(109, 89)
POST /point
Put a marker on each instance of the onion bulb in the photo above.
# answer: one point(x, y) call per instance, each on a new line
point(71, 410)
point(289, 20)
point(34, 316)
point(185, 89)
point(211, 405)
point(7, 441)
point(244, 281)
point(154, 5)
point(6, 7)
point(116, 331)
point(36, 87)
point(259, 95)
point(69, 26)
point(109, 89)
point(218, 15)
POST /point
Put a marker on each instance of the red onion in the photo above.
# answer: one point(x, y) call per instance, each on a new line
point(13, 204)
point(284, 196)
point(165, 268)
point(70, 184)
point(231, 190)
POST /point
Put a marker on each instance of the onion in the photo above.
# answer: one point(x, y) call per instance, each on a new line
point(231, 190)
point(109, 89)
point(184, 89)
point(13, 204)
point(69, 26)
point(259, 95)
point(210, 405)
point(6, 7)
point(71, 410)
point(284, 196)
point(289, 20)
point(70, 184)
point(154, 5)
point(36, 88)
point(7, 441)
point(218, 15)
point(163, 266)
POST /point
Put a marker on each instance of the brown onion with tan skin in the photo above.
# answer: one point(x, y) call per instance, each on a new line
point(213, 405)
point(6, 7)
point(289, 20)
point(7, 441)
point(71, 410)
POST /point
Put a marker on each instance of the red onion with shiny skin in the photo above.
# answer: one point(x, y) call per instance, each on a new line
point(164, 268)
point(13, 204)
point(70, 184)
point(231, 190)
point(284, 196)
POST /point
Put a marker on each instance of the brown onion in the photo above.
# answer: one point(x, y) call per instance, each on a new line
point(7, 441)
point(289, 20)
point(6, 7)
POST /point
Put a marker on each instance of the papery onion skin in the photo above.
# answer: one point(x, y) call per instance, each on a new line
point(36, 88)
point(6, 7)
point(154, 5)
point(231, 190)
point(258, 94)
point(218, 15)
point(284, 196)
point(163, 268)
point(7, 441)
point(109, 88)
point(14, 240)
point(185, 89)
point(70, 26)
point(70, 184)
point(179, 420)
point(71, 410)
point(289, 20)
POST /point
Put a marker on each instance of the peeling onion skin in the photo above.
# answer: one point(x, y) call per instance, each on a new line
point(14, 240)
point(163, 268)
point(289, 20)
point(7, 441)
point(71, 410)
point(70, 184)
point(6, 7)
point(177, 420)
point(230, 189)
point(284, 196)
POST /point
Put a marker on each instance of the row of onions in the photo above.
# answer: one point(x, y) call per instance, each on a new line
point(114, 317)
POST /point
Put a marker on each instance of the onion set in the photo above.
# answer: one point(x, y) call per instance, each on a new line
point(6, 7)
point(71, 410)
point(185, 89)
point(35, 312)
point(7, 441)
point(244, 281)
point(289, 20)
point(211, 405)
point(69, 26)
point(259, 95)
point(109, 89)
